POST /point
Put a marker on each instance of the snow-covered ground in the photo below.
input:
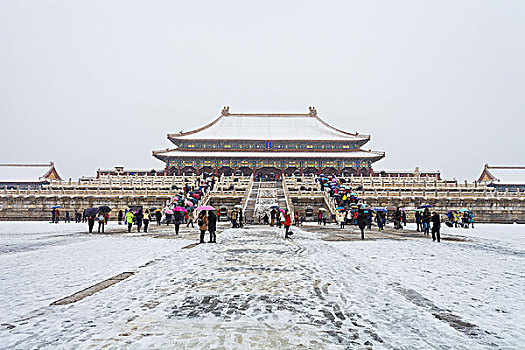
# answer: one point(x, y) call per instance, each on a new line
point(255, 289)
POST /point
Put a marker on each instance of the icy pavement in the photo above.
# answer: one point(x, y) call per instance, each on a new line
point(255, 289)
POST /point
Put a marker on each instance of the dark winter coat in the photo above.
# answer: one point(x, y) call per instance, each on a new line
point(436, 221)
point(361, 219)
point(212, 222)
point(178, 217)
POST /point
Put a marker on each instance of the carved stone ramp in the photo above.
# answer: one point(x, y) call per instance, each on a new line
point(93, 289)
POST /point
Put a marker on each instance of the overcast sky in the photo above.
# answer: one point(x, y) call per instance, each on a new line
point(94, 84)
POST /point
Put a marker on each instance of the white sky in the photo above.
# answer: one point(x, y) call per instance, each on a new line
point(94, 84)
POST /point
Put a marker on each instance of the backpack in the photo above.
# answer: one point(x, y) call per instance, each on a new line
point(200, 222)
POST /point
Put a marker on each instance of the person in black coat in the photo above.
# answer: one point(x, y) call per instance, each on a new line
point(91, 223)
point(418, 220)
point(436, 225)
point(212, 226)
point(138, 220)
point(178, 219)
point(361, 222)
point(120, 217)
point(426, 221)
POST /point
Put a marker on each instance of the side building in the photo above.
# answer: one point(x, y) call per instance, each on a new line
point(267, 145)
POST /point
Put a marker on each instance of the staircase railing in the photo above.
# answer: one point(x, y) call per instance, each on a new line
point(247, 195)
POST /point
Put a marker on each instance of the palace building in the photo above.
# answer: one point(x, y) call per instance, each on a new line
point(267, 144)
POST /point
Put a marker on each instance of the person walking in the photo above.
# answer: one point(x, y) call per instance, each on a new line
point(436, 225)
point(202, 221)
point(120, 217)
point(296, 218)
point(426, 221)
point(341, 218)
point(178, 218)
point(379, 220)
point(138, 220)
point(76, 217)
point(272, 217)
point(67, 219)
point(212, 226)
point(191, 218)
point(361, 222)
point(91, 223)
point(404, 218)
point(323, 217)
point(128, 219)
point(101, 221)
point(147, 219)
point(319, 217)
point(287, 223)
point(369, 219)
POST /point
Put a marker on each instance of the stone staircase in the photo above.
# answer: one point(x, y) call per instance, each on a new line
point(249, 210)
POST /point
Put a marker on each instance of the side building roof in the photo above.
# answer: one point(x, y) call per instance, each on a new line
point(28, 172)
point(268, 127)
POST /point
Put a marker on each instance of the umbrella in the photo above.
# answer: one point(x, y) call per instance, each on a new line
point(353, 194)
point(464, 209)
point(55, 207)
point(323, 209)
point(340, 208)
point(156, 210)
point(449, 224)
point(205, 207)
point(238, 206)
point(91, 211)
point(168, 211)
point(281, 210)
point(193, 201)
point(274, 206)
point(424, 206)
point(189, 203)
point(196, 196)
point(180, 209)
point(104, 209)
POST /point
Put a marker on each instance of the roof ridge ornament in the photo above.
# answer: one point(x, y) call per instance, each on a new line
point(225, 111)
point(313, 111)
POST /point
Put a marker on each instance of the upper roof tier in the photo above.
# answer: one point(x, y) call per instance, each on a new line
point(268, 127)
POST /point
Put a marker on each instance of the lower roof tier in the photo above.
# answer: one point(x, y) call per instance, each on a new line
point(207, 155)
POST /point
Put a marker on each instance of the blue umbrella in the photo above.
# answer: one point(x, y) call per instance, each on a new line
point(91, 211)
point(55, 207)
point(424, 206)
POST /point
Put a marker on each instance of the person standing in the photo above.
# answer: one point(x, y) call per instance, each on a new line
point(212, 226)
point(323, 217)
point(57, 216)
point(76, 217)
point(341, 218)
point(158, 215)
point(296, 218)
point(67, 219)
point(91, 223)
point(240, 218)
point(404, 218)
point(319, 217)
point(426, 221)
point(128, 219)
point(369, 219)
point(287, 223)
point(138, 220)
point(178, 218)
point(418, 221)
point(202, 221)
point(272, 217)
point(101, 221)
point(147, 219)
point(234, 218)
point(120, 217)
point(436, 225)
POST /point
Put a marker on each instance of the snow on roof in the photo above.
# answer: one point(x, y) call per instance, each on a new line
point(26, 172)
point(508, 176)
point(242, 154)
point(268, 127)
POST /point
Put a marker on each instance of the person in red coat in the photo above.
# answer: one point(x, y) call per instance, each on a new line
point(287, 223)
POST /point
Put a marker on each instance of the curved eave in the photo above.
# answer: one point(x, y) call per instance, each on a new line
point(168, 154)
